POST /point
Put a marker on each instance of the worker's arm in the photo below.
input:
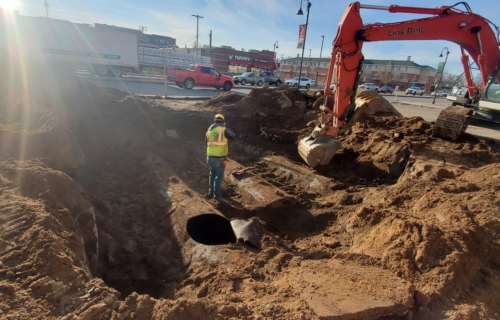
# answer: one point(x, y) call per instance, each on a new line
point(229, 134)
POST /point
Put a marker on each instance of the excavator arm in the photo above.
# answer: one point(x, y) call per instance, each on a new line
point(470, 31)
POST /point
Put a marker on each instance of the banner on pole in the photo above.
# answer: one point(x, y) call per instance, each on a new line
point(302, 35)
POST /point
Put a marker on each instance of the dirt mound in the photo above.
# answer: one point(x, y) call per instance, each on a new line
point(272, 114)
point(96, 188)
point(265, 101)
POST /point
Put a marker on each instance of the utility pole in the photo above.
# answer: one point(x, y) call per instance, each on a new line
point(46, 5)
point(321, 51)
point(143, 28)
point(210, 50)
point(198, 17)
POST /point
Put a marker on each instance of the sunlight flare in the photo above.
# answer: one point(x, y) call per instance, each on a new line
point(9, 4)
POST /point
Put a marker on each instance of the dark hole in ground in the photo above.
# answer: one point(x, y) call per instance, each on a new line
point(210, 229)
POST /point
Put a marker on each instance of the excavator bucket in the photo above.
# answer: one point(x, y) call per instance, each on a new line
point(319, 149)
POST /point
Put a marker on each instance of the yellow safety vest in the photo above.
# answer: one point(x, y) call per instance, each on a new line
point(217, 142)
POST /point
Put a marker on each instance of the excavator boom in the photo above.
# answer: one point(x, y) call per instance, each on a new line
point(470, 31)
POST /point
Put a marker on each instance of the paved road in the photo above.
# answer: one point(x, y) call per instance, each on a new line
point(137, 87)
point(427, 111)
point(417, 99)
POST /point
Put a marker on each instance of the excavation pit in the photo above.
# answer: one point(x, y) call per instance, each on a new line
point(103, 192)
point(210, 229)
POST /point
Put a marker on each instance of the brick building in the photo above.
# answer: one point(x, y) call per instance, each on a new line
point(229, 60)
point(290, 68)
point(402, 73)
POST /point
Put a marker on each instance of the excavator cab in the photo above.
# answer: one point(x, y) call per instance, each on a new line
point(492, 91)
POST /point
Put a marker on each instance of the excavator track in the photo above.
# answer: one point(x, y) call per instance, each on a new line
point(451, 123)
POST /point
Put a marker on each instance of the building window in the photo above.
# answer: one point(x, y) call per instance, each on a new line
point(324, 64)
point(376, 67)
point(305, 64)
point(399, 68)
point(406, 69)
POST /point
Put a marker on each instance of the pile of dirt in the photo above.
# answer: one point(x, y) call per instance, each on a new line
point(96, 187)
point(275, 111)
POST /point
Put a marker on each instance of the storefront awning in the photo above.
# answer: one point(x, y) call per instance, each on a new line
point(261, 65)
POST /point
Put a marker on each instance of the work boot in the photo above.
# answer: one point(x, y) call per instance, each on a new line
point(209, 195)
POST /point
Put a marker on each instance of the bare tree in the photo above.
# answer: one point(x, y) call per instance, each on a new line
point(448, 80)
point(385, 74)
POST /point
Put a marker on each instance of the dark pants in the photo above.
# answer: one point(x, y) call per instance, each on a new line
point(216, 175)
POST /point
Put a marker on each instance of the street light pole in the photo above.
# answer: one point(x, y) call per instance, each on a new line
point(305, 36)
point(197, 21)
point(319, 64)
point(274, 52)
point(442, 72)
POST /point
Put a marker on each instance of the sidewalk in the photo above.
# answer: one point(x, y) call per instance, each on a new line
point(428, 105)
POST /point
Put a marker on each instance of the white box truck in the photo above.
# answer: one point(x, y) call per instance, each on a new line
point(39, 39)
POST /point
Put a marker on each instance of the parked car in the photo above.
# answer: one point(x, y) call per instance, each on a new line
point(439, 93)
point(201, 76)
point(415, 91)
point(271, 79)
point(369, 86)
point(248, 77)
point(304, 82)
point(386, 89)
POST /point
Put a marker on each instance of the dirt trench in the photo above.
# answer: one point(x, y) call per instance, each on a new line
point(97, 187)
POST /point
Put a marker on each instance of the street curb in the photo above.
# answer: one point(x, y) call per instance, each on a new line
point(169, 97)
point(407, 103)
point(139, 80)
point(187, 98)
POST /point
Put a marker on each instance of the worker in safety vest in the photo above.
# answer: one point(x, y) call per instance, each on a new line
point(217, 137)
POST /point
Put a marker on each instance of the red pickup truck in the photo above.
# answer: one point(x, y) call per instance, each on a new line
point(200, 76)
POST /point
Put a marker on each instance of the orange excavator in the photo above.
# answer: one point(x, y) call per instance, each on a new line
point(479, 105)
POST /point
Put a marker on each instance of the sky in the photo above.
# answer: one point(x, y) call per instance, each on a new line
point(258, 24)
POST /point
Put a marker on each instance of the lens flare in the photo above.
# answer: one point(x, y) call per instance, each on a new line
point(9, 4)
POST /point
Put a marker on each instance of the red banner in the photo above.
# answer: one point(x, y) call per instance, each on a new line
point(302, 35)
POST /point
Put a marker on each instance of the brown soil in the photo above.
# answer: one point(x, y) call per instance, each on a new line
point(96, 187)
